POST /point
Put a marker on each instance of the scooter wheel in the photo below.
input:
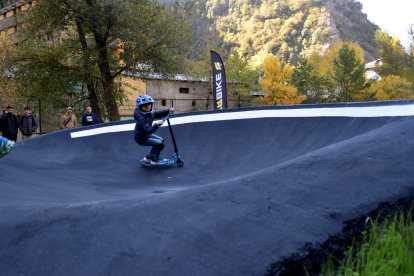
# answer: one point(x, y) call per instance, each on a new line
point(180, 162)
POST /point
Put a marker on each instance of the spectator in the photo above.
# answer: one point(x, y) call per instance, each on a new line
point(68, 120)
point(27, 123)
point(9, 124)
point(1, 121)
point(89, 118)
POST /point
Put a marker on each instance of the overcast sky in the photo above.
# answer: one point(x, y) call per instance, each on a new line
point(393, 16)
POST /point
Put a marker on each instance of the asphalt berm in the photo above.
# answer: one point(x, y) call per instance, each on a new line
point(263, 191)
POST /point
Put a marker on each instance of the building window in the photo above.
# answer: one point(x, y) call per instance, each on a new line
point(184, 90)
point(193, 103)
point(163, 102)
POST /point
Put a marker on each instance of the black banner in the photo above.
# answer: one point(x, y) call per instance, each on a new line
point(219, 81)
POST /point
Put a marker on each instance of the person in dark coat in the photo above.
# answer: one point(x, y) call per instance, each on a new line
point(89, 118)
point(144, 127)
point(27, 123)
point(10, 124)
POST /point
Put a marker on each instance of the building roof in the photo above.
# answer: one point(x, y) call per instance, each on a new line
point(10, 21)
point(372, 75)
point(371, 65)
point(158, 76)
point(12, 6)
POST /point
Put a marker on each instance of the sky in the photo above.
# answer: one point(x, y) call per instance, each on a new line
point(393, 16)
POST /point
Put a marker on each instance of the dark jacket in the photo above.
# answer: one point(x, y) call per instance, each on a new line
point(144, 125)
point(28, 125)
point(10, 126)
point(89, 119)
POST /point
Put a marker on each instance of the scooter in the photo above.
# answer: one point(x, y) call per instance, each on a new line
point(166, 162)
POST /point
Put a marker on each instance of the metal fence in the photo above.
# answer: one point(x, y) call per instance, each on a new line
point(48, 115)
point(185, 105)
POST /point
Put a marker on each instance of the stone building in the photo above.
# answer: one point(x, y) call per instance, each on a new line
point(8, 27)
point(182, 92)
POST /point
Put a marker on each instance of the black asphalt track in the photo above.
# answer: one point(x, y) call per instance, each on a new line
point(251, 192)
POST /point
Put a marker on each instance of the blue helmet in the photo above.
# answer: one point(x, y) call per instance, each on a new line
point(144, 99)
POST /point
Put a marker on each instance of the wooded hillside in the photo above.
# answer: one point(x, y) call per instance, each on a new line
point(288, 28)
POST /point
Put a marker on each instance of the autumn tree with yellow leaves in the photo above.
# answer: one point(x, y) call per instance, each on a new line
point(392, 88)
point(275, 83)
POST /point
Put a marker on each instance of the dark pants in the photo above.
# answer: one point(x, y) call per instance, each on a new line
point(10, 136)
point(157, 144)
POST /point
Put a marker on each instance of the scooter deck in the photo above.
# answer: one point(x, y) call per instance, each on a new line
point(162, 163)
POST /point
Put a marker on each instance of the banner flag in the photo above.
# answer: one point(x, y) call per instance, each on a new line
point(219, 81)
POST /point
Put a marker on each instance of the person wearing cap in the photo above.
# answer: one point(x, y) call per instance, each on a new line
point(27, 123)
point(10, 124)
point(68, 120)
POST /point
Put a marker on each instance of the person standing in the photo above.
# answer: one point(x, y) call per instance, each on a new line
point(89, 118)
point(68, 120)
point(27, 123)
point(10, 124)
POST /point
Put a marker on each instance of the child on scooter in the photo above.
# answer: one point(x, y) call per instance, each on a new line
point(144, 127)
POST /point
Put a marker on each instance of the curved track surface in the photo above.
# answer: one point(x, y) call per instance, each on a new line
point(257, 185)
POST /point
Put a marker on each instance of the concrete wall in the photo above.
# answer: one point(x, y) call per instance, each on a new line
point(184, 95)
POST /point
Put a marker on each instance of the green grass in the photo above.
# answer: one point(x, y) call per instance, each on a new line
point(386, 249)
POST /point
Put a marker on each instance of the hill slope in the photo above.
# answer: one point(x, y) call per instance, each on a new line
point(290, 28)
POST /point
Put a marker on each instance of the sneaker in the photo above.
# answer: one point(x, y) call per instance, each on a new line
point(147, 159)
point(155, 161)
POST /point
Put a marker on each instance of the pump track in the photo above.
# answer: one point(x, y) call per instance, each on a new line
point(258, 185)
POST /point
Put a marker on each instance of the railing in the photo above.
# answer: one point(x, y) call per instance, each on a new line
point(48, 116)
point(184, 105)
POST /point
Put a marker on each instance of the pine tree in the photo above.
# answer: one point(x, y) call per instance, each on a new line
point(349, 74)
point(308, 82)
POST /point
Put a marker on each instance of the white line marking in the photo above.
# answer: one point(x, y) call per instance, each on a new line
point(367, 111)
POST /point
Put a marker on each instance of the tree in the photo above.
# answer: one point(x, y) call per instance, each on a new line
point(239, 71)
point(349, 74)
point(396, 59)
point(106, 38)
point(308, 83)
point(275, 83)
point(392, 88)
point(325, 87)
point(323, 63)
